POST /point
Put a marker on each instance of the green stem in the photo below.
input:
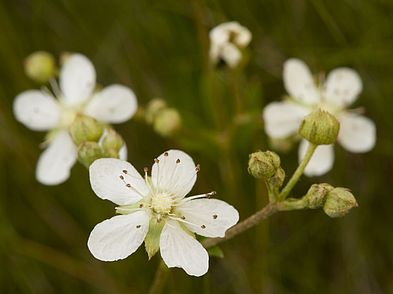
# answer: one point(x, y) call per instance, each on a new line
point(299, 171)
point(160, 278)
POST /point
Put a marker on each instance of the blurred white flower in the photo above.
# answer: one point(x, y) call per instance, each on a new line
point(226, 42)
point(340, 89)
point(43, 111)
point(160, 198)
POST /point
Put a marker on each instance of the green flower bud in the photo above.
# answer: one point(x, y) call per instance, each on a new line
point(277, 179)
point(167, 122)
point(320, 128)
point(85, 128)
point(263, 164)
point(40, 66)
point(111, 141)
point(339, 202)
point(316, 195)
point(153, 108)
point(88, 152)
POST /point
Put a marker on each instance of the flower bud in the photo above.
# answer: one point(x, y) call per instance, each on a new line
point(85, 128)
point(320, 128)
point(277, 179)
point(111, 141)
point(40, 66)
point(153, 108)
point(88, 152)
point(167, 122)
point(339, 202)
point(316, 195)
point(263, 164)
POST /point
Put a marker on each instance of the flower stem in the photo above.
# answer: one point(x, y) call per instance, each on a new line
point(160, 278)
point(299, 171)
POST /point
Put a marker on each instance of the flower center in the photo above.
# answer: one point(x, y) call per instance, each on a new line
point(162, 203)
point(67, 117)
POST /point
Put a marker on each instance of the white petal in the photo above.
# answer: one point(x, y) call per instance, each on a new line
point(123, 152)
point(114, 104)
point(299, 82)
point(175, 172)
point(342, 87)
point(36, 110)
point(210, 217)
point(321, 161)
point(118, 237)
point(56, 161)
point(231, 54)
point(357, 133)
point(283, 119)
point(117, 181)
point(77, 79)
point(179, 249)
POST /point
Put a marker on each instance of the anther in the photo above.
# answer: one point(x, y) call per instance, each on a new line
point(140, 205)
point(125, 171)
point(128, 185)
point(145, 169)
point(121, 177)
point(178, 161)
point(198, 167)
point(183, 217)
point(203, 227)
point(156, 160)
point(138, 226)
point(165, 153)
point(215, 216)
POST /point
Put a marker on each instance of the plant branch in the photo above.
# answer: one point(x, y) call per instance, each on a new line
point(297, 174)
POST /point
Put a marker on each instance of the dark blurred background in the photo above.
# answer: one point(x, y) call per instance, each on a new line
point(159, 49)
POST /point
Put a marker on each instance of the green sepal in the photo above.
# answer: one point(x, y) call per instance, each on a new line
point(215, 251)
point(152, 240)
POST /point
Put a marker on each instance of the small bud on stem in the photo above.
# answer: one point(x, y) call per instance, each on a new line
point(339, 202)
point(263, 164)
point(320, 128)
point(40, 66)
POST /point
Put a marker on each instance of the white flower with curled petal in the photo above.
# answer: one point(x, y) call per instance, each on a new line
point(340, 89)
point(161, 198)
point(43, 111)
point(226, 40)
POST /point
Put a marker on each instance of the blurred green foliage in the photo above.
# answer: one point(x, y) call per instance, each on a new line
point(159, 49)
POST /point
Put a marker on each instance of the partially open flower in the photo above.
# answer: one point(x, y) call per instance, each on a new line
point(55, 113)
point(226, 42)
point(155, 210)
point(340, 89)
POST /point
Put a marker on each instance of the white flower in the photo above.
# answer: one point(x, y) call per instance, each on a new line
point(41, 111)
point(341, 88)
point(226, 40)
point(160, 198)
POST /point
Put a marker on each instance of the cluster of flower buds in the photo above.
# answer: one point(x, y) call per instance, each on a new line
point(165, 120)
point(336, 202)
point(95, 140)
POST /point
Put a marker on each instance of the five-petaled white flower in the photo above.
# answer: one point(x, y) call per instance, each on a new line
point(341, 88)
point(41, 111)
point(226, 40)
point(160, 198)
